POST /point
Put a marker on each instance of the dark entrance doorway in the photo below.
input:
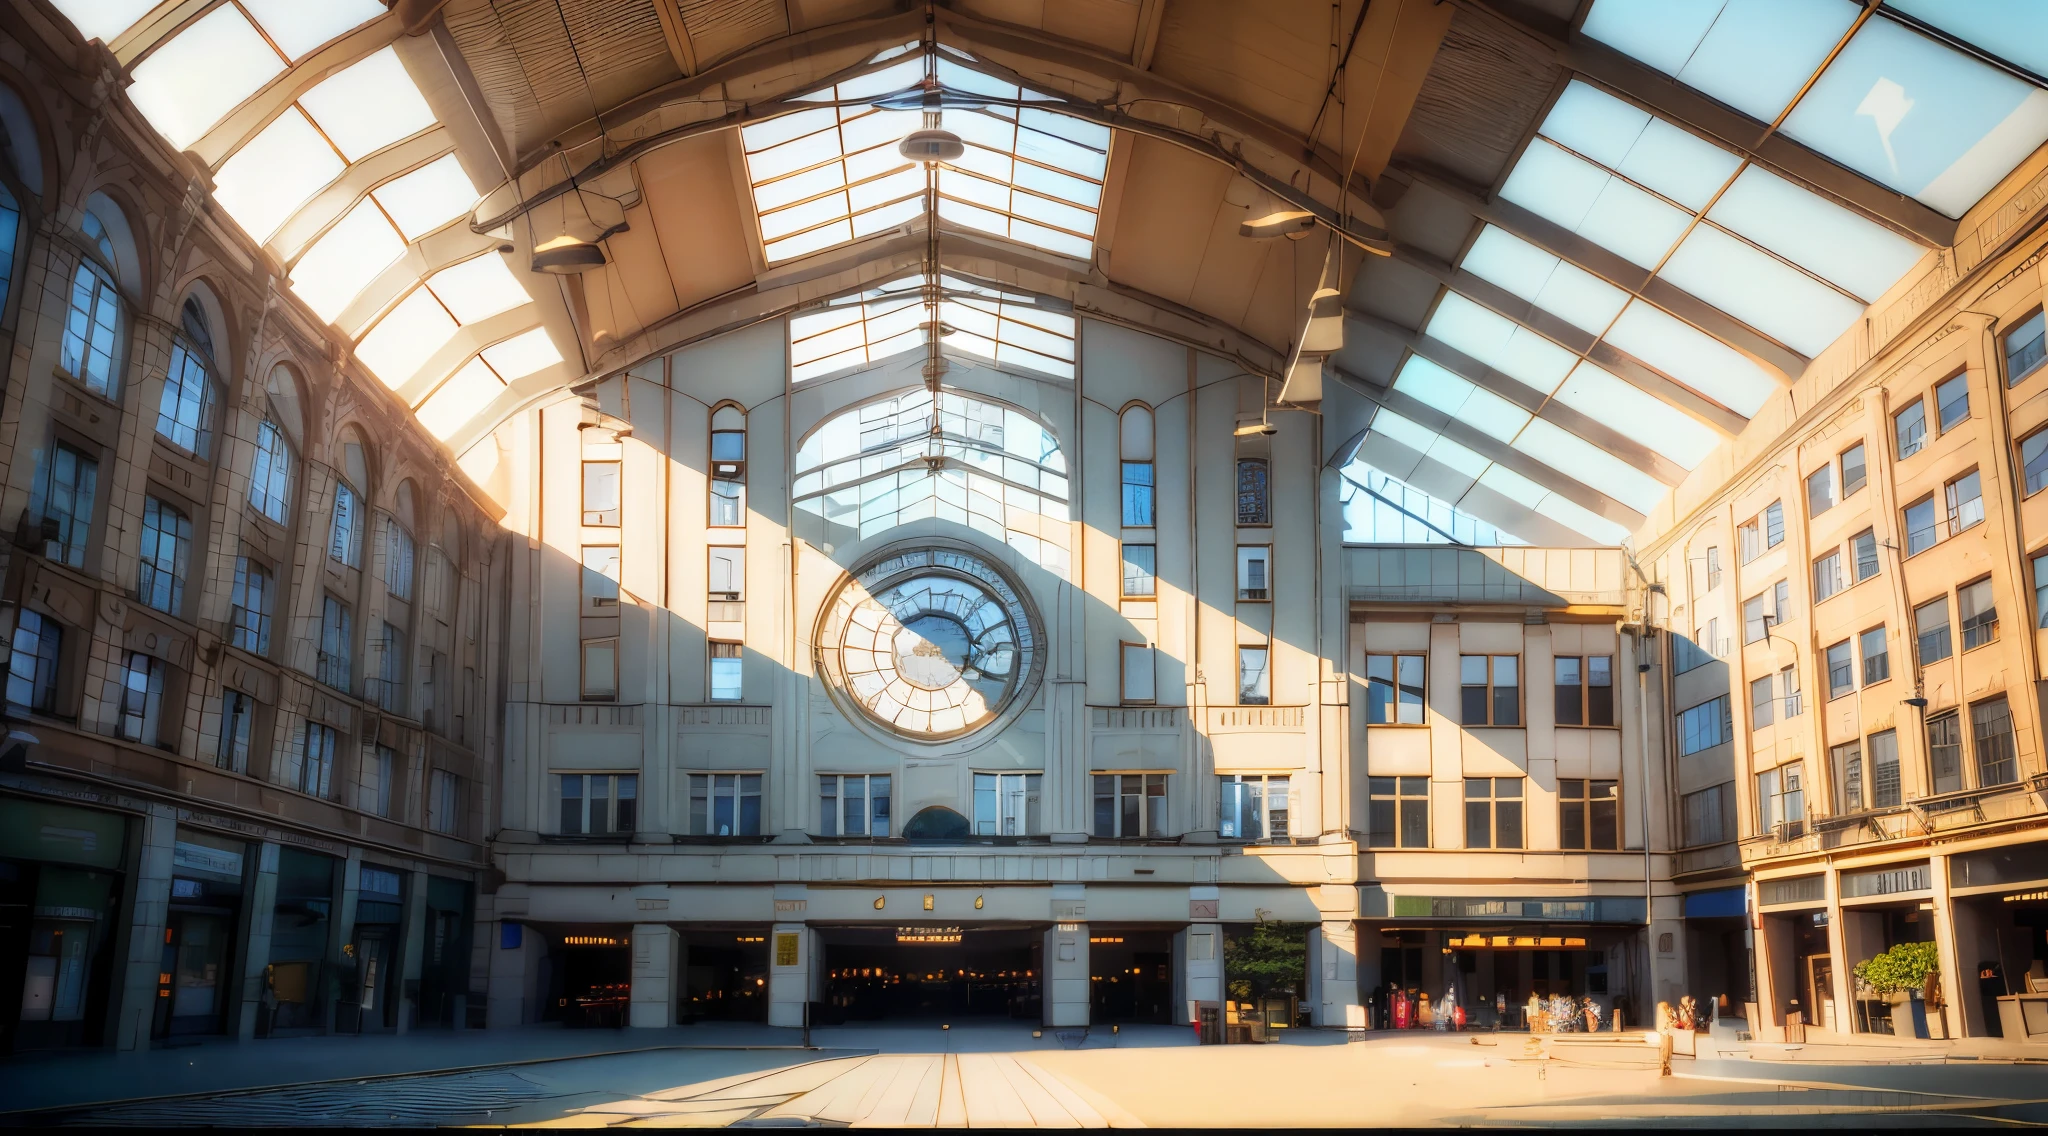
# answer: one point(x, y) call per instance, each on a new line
point(887, 973)
point(589, 978)
point(725, 976)
point(1130, 975)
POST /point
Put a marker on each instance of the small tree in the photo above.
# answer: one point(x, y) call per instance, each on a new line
point(1907, 966)
point(1270, 958)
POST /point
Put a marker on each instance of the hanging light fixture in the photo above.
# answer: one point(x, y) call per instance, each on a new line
point(567, 231)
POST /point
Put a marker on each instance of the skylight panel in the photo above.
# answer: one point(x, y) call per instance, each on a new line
point(428, 197)
point(1754, 55)
point(1692, 357)
point(1920, 117)
point(104, 20)
point(478, 288)
point(1769, 295)
point(274, 173)
point(1595, 204)
point(1409, 433)
point(1579, 519)
point(190, 82)
point(345, 259)
point(2013, 30)
point(459, 399)
point(402, 342)
point(522, 355)
point(1564, 290)
point(1459, 399)
point(1630, 410)
point(368, 105)
point(1512, 485)
point(1500, 343)
point(1639, 146)
point(1857, 254)
point(299, 26)
point(1582, 461)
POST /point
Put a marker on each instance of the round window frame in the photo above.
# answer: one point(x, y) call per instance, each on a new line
point(896, 564)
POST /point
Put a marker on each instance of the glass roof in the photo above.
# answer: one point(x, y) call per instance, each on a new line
point(1451, 473)
point(831, 175)
point(1894, 104)
point(1382, 509)
point(859, 330)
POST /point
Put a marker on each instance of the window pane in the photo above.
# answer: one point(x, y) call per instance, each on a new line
point(1570, 691)
point(1507, 691)
point(1953, 399)
point(1412, 669)
point(1854, 472)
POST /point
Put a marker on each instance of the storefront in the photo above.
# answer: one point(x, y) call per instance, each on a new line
point(444, 966)
point(371, 1003)
point(930, 971)
point(2000, 913)
point(586, 975)
point(1717, 950)
point(202, 927)
point(297, 975)
point(1130, 974)
point(1880, 908)
point(1489, 957)
point(61, 887)
point(1792, 922)
point(725, 975)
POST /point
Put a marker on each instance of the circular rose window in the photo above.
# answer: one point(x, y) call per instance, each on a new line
point(931, 644)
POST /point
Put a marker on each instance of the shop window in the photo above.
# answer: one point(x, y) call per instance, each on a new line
point(1587, 820)
point(1855, 470)
point(1254, 684)
point(1130, 806)
point(1788, 683)
point(1781, 800)
point(728, 467)
point(727, 671)
point(1909, 427)
point(600, 680)
point(270, 480)
point(142, 698)
point(1979, 613)
point(391, 668)
point(1863, 549)
point(1820, 491)
point(1395, 689)
point(1006, 804)
point(1490, 690)
point(1763, 702)
point(1138, 674)
point(1884, 770)
point(237, 716)
point(1493, 812)
point(1945, 753)
point(1877, 660)
point(444, 802)
point(32, 662)
point(1991, 738)
point(1254, 506)
point(1254, 572)
point(600, 577)
point(185, 411)
point(1703, 816)
point(314, 774)
point(1922, 527)
point(1965, 502)
point(1253, 807)
point(848, 804)
point(345, 538)
point(334, 665)
point(1930, 631)
point(1398, 812)
point(1841, 665)
point(399, 553)
point(1141, 565)
point(599, 804)
point(91, 347)
point(1847, 761)
point(386, 793)
point(250, 606)
point(1704, 726)
point(1952, 400)
point(1584, 688)
point(2034, 461)
point(1135, 438)
point(601, 493)
point(2025, 348)
point(1827, 575)
point(65, 486)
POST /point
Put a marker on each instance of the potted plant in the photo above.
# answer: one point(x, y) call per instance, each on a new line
point(1898, 974)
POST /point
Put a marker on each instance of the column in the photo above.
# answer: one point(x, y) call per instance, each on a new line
point(791, 949)
point(262, 901)
point(1198, 955)
point(1333, 948)
point(341, 935)
point(1063, 980)
point(138, 980)
point(1958, 979)
point(412, 951)
point(513, 956)
point(654, 969)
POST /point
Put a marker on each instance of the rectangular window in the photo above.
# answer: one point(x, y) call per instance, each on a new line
point(728, 503)
point(1788, 686)
point(1854, 471)
point(1137, 495)
point(1763, 702)
point(1780, 800)
point(1704, 726)
point(32, 662)
point(270, 481)
point(601, 493)
point(1254, 807)
point(600, 670)
point(600, 576)
point(1254, 684)
point(1979, 613)
point(1399, 812)
point(1254, 572)
point(1713, 567)
point(1568, 684)
point(599, 804)
point(2041, 590)
point(1749, 541)
point(387, 780)
point(726, 667)
point(1774, 524)
point(1945, 752)
point(1847, 761)
point(444, 802)
point(1141, 566)
point(1138, 674)
point(1587, 817)
point(1991, 738)
point(142, 698)
point(1130, 806)
point(2024, 348)
point(398, 560)
point(1884, 770)
point(726, 575)
point(1781, 602)
point(1909, 426)
point(345, 538)
point(249, 608)
point(1820, 491)
point(166, 547)
point(1965, 502)
point(335, 664)
point(1827, 575)
point(1953, 400)
point(728, 468)
point(391, 670)
point(1493, 812)
point(1877, 659)
point(1863, 549)
point(1490, 690)
point(91, 332)
point(1395, 689)
point(1253, 504)
point(1703, 816)
point(2034, 461)
point(1753, 619)
point(851, 804)
point(1006, 804)
point(237, 713)
point(1841, 669)
point(1922, 528)
point(63, 501)
point(729, 804)
point(1930, 631)
point(316, 760)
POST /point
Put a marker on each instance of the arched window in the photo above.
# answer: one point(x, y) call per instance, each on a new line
point(91, 351)
point(345, 537)
point(184, 416)
point(1135, 433)
point(272, 476)
point(10, 238)
point(398, 545)
point(728, 467)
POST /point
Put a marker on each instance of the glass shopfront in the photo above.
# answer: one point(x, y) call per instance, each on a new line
point(371, 999)
point(298, 973)
point(444, 967)
point(195, 978)
point(60, 895)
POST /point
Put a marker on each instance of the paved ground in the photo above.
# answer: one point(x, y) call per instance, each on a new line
point(1000, 1076)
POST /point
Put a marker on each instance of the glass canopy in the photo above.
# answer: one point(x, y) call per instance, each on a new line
point(1008, 328)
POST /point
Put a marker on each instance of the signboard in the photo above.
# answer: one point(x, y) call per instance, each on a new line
point(1798, 889)
point(928, 935)
point(1887, 881)
point(786, 948)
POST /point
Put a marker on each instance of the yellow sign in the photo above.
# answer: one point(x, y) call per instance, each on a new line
point(592, 941)
point(1515, 942)
point(785, 948)
point(928, 934)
